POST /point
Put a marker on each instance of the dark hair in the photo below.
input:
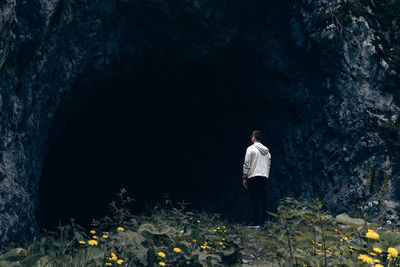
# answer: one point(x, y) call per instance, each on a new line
point(257, 135)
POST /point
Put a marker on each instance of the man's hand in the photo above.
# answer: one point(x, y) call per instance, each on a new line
point(244, 178)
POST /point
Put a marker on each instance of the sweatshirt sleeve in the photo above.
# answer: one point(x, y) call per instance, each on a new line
point(246, 164)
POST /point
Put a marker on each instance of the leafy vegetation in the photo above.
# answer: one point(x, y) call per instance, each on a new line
point(170, 236)
point(305, 235)
point(302, 234)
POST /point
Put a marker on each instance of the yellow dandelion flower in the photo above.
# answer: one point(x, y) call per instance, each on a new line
point(378, 265)
point(223, 226)
point(223, 247)
point(190, 218)
point(162, 263)
point(344, 238)
point(221, 243)
point(161, 254)
point(225, 231)
point(182, 231)
point(82, 242)
point(105, 236)
point(114, 258)
point(187, 262)
point(373, 253)
point(365, 258)
point(108, 263)
point(113, 254)
point(376, 260)
point(120, 229)
point(92, 242)
point(95, 237)
point(222, 238)
point(120, 261)
point(92, 231)
point(393, 252)
point(194, 240)
point(177, 250)
point(371, 234)
point(198, 221)
point(214, 230)
point(378, 250)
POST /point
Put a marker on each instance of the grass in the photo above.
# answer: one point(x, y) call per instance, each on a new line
point(302, 234)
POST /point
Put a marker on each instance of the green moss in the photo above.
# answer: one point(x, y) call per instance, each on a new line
point(376, 181)
point(385, 186)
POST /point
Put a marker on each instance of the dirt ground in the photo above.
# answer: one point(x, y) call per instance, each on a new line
point(252, 248)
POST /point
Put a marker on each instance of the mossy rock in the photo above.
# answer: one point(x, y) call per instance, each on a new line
point(343, 218)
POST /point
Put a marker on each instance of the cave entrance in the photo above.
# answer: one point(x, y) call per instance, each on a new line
point(173, 127)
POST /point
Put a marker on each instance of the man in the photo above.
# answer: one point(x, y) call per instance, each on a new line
point(256, 168)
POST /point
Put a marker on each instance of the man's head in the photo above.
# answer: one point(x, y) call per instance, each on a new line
point(256, 136)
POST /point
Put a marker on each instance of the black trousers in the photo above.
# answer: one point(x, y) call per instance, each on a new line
point(257, 187)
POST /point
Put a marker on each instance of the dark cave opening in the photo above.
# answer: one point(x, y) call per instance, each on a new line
point(168, 127)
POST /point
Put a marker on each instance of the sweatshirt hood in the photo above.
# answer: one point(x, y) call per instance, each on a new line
point(263, 149)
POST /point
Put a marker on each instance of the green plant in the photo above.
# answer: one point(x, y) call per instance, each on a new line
point(304, 235)
point(380, 185)
point(385, 186)
point(169, 235)
point(376, 182)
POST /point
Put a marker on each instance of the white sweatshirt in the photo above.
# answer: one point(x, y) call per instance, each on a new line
point(257, 161)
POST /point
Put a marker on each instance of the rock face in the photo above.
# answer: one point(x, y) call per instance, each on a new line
point(334, 94)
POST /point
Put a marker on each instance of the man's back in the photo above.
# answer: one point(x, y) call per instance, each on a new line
point(256, 167)
point(257, 161)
